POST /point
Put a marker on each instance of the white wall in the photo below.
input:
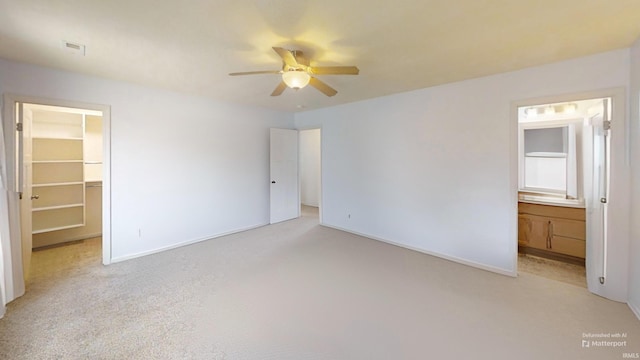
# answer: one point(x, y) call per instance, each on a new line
point(8, 288)
point(183, 168)
point(5, 258)
point(436, 169)
point(634, 250)
point(310, 167)
point(3, 296)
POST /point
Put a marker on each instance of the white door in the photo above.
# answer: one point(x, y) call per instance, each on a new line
point(285, 202)
point(25, 180)
point(597, 137)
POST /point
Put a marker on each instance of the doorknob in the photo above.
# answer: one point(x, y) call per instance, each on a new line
point(35, 197)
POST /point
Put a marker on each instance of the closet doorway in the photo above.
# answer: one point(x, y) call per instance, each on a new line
point(60, 174)
point(310, 173)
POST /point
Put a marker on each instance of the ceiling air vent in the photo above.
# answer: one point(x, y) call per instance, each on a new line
point(73, 48)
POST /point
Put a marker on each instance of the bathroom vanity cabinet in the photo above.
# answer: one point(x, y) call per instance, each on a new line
point(552, 231)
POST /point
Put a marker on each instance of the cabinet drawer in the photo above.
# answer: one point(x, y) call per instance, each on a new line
point(568, 228)
point(552, 211)
point(568, 246)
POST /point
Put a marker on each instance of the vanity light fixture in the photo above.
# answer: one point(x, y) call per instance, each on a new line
point(550, 110)
point(569, 108)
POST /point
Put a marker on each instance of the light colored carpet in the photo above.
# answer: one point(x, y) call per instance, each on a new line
point(296, 290)
point(551, 269)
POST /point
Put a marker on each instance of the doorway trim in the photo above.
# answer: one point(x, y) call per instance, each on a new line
point(616, 289)
point(9, 124)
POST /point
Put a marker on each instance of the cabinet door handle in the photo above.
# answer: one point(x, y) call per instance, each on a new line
point(549, 229)
point(35, 197)
point(550, 234)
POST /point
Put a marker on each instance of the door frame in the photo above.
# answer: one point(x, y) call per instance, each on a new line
point(9, 124)
point(616, 287)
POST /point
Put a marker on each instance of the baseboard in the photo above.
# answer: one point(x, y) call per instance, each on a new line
point(458, 260)
point(184, 243)
point(40, 244)
point(635, 309)
point(551, 255)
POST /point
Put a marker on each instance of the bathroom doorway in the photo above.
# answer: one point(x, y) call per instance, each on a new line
point(564, 174)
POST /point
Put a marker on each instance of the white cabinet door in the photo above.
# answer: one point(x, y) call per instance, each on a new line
point(285, 202)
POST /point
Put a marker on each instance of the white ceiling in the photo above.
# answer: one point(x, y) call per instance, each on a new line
point(191, 45)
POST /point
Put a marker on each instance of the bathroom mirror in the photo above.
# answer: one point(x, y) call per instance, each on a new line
point(548, 158)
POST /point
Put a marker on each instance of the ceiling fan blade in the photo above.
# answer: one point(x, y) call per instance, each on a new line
point(335, 70)
point(279, 89)
point(301, 59)
point(286, 56)
point(256, 72)
point(324, 88)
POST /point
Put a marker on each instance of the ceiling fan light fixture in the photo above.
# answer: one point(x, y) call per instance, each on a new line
point(297, 73)
point(296, 79)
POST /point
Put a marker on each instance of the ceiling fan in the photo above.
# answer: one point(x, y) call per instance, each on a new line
point(297, 72)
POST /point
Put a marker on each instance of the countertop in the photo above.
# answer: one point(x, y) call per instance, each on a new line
point(547, 200)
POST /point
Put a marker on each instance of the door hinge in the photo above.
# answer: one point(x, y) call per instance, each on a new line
point(606, 125)
point(20, 195)
point(19, 126)
point(601, 279)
